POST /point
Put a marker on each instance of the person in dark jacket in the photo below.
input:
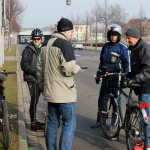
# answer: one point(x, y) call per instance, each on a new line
point(114, 54)
point(140, 70)
point(29, 67)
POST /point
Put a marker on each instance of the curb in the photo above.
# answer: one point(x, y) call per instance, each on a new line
point(22, 136)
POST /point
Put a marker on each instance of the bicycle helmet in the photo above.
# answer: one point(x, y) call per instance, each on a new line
point(36, 33)
point(114, 29)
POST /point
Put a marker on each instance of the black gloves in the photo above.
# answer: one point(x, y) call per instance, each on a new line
point(97, 78)
point(130, 75)
point(128, 83)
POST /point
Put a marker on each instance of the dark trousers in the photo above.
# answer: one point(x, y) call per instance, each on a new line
point(34, 93)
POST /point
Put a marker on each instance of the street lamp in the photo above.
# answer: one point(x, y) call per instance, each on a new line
point(68, 2)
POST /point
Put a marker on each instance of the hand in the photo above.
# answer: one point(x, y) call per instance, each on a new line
point(98, 73)
point(130, 82)
point(79, 68)
point(97, 79)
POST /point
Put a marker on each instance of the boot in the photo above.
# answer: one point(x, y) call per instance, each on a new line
point(36, 126)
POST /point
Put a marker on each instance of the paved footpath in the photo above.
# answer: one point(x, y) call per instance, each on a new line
point(27, 139)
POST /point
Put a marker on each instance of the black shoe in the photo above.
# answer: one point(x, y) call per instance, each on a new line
point(40, 123)
point(36, 127)
point(97, 125)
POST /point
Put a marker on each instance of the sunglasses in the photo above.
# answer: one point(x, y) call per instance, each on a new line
point(36, 39)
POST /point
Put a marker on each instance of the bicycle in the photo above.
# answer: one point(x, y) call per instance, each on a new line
point(135, 121)
point(5, 117)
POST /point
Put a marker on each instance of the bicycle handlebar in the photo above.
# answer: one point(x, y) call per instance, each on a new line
point(7, 73)
point(112, 74)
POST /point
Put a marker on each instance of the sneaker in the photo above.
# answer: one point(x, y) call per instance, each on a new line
point(36, 127)
point(40, 123)
point(97, 125)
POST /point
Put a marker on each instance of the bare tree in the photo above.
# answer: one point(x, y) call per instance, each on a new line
point(141, 22)
point(15, 26)
point(13, 11)
point(107, 14)
point(96, 18)
point(87, 20)
point(119, 14)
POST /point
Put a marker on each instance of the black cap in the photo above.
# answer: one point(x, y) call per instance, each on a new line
point(133, 32)
point(64, 25)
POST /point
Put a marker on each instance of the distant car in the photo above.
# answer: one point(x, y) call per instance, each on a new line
point(77, 45)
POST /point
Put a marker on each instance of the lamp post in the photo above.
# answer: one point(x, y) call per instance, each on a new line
point(2, 24)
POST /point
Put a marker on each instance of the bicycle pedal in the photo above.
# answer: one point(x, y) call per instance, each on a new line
point(114, 139)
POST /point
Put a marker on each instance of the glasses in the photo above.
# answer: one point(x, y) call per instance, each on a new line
point(36, 39)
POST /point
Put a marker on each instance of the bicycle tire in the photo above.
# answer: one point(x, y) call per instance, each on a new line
point(5, 125)
point(135, 128)
point(106, 115)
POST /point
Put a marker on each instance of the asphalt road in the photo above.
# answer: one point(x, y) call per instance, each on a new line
point(85, 137)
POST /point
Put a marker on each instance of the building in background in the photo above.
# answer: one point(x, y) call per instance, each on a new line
point(100, 37)
point(81, 32)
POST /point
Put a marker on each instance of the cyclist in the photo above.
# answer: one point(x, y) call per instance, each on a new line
point(114, 54)
point(140, 70)
point(29, 68)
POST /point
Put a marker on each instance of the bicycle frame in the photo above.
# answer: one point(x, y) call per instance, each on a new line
point(131, 102)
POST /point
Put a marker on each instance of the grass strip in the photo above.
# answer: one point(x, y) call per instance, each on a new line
point(12, 101)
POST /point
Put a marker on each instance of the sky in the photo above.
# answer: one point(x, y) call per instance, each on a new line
point(44, 13)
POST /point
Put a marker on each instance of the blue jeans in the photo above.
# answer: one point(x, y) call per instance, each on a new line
point(67, 111)
point(146, 98)
point(105, 90)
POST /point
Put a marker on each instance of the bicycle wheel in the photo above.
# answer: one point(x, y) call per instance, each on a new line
point(5, 125)
point(136, 128)
point(108, 113)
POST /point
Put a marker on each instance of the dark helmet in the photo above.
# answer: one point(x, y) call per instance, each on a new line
point(36, 33)
point(114, 29)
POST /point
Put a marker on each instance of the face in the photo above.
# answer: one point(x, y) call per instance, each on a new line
point(37, 40)
point(113, 38)
point(131, 40)
point(68, 34)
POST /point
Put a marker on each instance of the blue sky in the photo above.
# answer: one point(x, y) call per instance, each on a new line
point(43, 13)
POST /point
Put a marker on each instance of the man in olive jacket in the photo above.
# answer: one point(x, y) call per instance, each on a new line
point(56, 68)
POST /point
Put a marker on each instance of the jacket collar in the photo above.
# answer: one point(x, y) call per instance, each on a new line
point(57, 34)
point(136, 45)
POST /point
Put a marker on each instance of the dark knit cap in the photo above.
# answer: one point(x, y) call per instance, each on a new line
point(64, 25)
point(133, 32)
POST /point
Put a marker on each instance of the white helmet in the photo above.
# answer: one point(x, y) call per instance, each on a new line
point(114, 29)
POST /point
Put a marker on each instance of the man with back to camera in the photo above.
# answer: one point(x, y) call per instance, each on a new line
point(140, 71)
point(29, 67)
point(56, 69)
point(114, 54)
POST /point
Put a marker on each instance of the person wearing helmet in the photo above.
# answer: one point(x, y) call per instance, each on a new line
point(114, 54)
point(29, 67)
